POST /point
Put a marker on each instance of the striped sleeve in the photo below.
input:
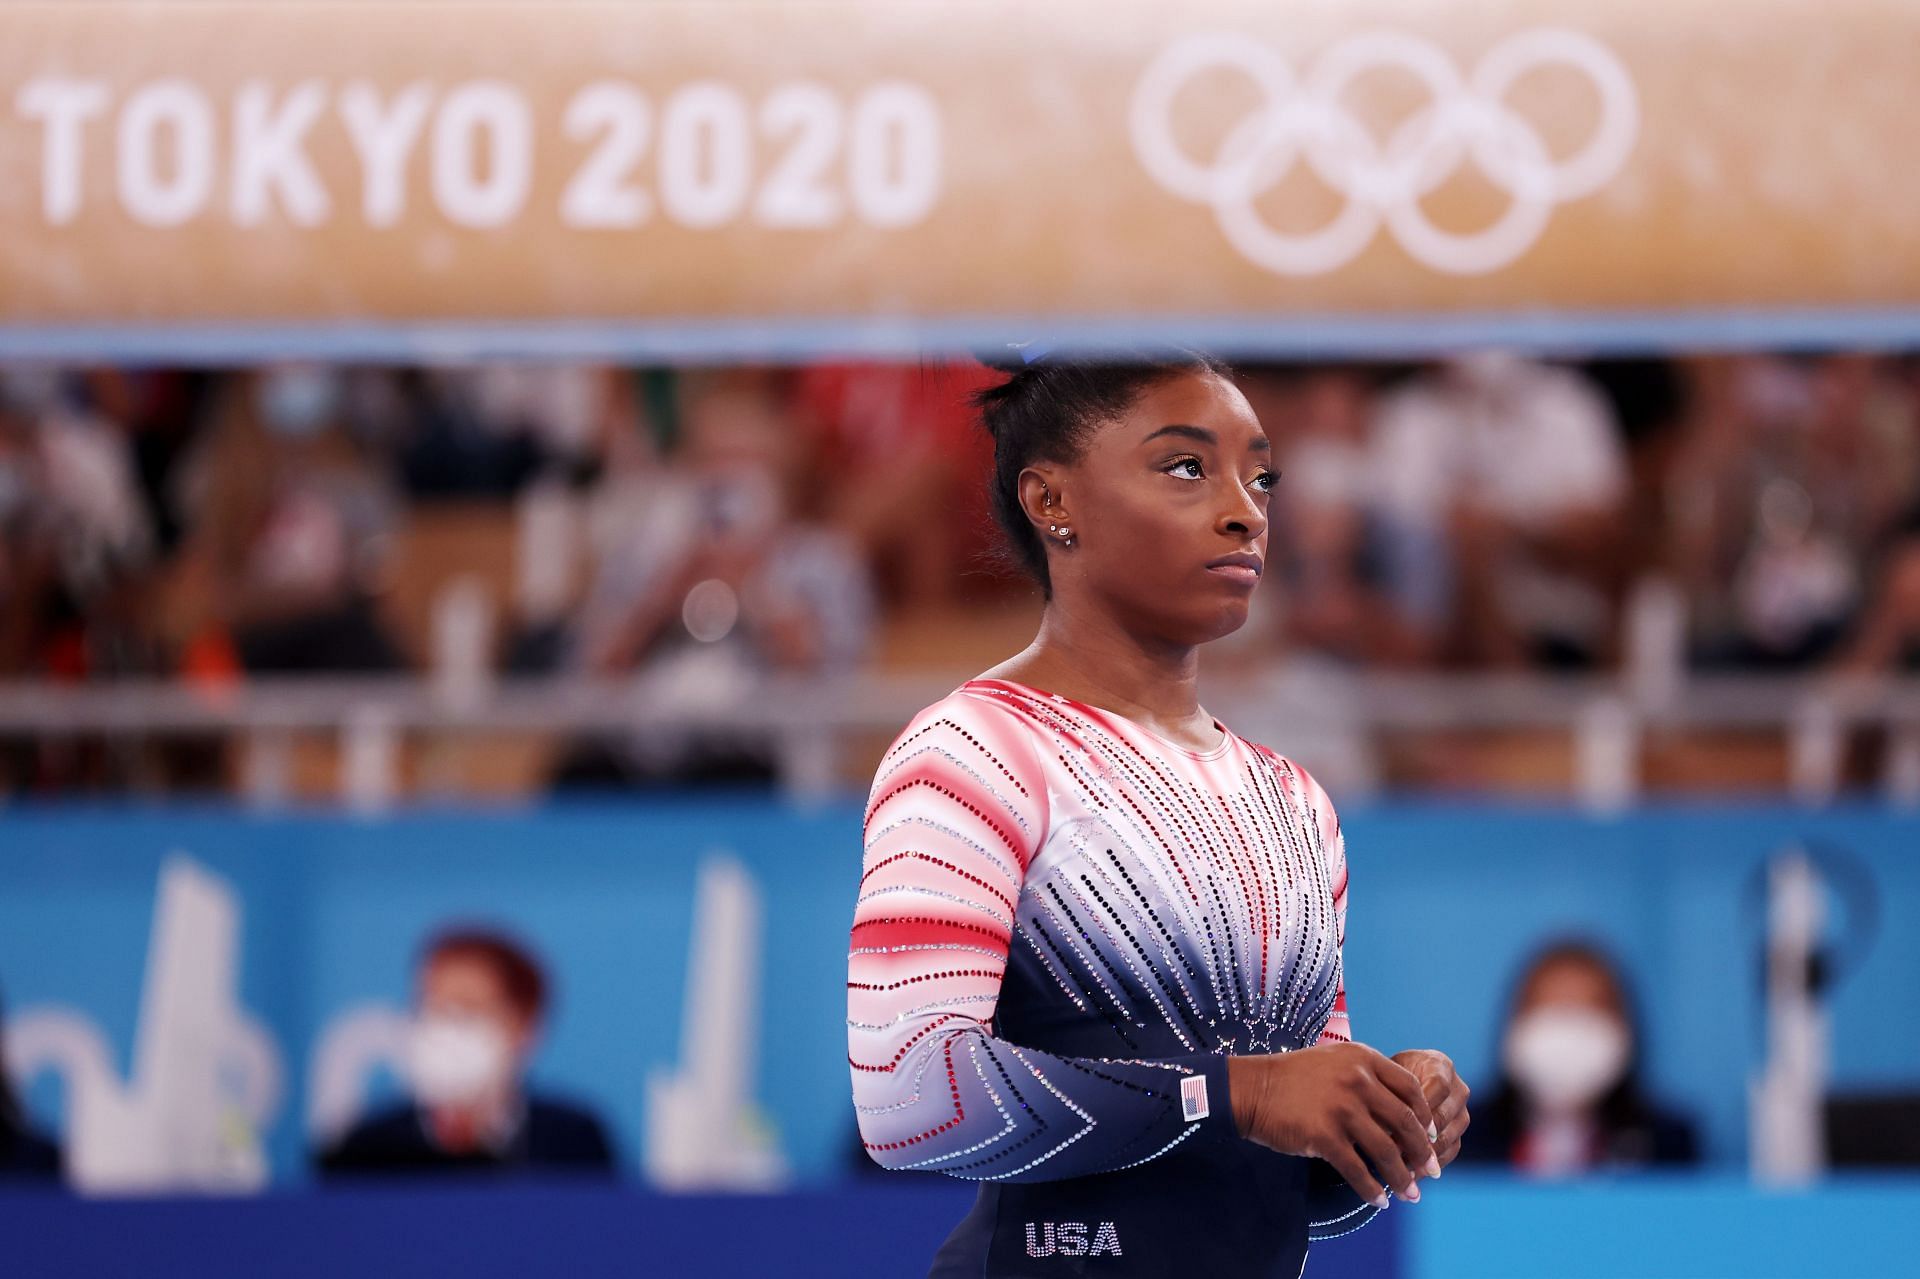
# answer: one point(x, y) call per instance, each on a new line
point(957, 811)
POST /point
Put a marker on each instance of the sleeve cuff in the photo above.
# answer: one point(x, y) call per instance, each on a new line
point(1204, 1089)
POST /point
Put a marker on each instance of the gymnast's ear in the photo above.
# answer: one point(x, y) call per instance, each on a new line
point(1043, 498)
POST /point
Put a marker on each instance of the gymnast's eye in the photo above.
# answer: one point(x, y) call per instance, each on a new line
point(1176, 468)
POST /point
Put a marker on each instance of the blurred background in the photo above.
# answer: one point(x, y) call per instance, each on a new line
point(474, 511)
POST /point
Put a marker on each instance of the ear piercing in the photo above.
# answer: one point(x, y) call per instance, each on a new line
point(1061, 531)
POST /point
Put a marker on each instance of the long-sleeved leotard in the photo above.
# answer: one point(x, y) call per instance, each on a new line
point(1065, 924)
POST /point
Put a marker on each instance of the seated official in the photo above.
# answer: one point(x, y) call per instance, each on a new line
point(1569, 1099)
point(481, 998)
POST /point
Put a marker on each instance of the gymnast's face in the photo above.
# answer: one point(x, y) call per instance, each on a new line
point(1161, 501)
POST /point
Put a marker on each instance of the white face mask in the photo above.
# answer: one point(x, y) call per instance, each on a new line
point(1563, 1058)
point(297, 402)
point(452, 1060)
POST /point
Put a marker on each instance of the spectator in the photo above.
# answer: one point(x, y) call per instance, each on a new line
point(481, 1001)
point(76, 557)
point(1323, 539)
point(711, 575)
point(291, 526)
point(1886, 639)
point(1793, 474)
point(1650, 401)
point(77, 537)
point(1569, 1098)
point(896, 441)
point(1500, 487)
point(159, 410)
point(486, 430)
point(24, 1154)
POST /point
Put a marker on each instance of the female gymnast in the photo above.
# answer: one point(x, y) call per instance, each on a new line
point(1095, 961)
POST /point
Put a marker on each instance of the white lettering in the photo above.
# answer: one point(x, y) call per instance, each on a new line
point(384, 139)
point(796, 192)
point(600, 194)
point(893, 163)
point(63, 108)
point(801, 158)
point(496, 113)
point(706, 158)
point(268, 154)
point(1069, 1239)
point(179, 108)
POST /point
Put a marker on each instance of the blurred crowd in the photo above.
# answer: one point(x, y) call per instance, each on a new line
point(1494, 512)
point(1486, 512)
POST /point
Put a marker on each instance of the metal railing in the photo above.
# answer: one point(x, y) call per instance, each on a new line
point(804, 721)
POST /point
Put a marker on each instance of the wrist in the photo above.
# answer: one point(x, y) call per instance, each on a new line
point(1251, 1084)
point(1244, 1077)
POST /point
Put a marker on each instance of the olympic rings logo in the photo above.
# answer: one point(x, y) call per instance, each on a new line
point(1303, 119)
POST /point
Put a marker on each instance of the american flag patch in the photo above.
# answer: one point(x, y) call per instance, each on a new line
point(1193, 1097)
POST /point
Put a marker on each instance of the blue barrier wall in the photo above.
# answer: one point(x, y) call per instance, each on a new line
point(1445, 902)
point(1487, 1227)
point(1466, 1227)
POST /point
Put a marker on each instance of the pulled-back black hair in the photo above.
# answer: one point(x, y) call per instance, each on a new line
point(1046, 411)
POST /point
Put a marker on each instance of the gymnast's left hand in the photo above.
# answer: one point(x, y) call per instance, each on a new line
point(1446, 1095)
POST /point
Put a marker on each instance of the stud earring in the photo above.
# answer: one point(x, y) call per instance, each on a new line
point(1061, 531)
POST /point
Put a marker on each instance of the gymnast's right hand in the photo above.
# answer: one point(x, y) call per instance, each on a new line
point(1344, 1103)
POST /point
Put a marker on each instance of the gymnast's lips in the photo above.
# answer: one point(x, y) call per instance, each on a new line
point(1241, 566)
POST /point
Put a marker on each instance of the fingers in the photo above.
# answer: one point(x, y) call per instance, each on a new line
point(1379, 1144)
point(1458, 1118)
point(1347, 1162)
point(1400, 1082)
point(1452, 1117)
point(1434, 1089)
point(1412, 1147)
point(1450, 1135)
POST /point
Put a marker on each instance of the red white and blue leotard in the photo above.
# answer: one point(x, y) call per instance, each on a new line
point(1065, 923)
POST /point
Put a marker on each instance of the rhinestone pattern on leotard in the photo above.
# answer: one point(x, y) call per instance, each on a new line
point(1059, 912)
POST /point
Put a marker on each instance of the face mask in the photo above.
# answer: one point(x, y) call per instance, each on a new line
point(298, 402)
point(451, 1060)
point(1564, 1058)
